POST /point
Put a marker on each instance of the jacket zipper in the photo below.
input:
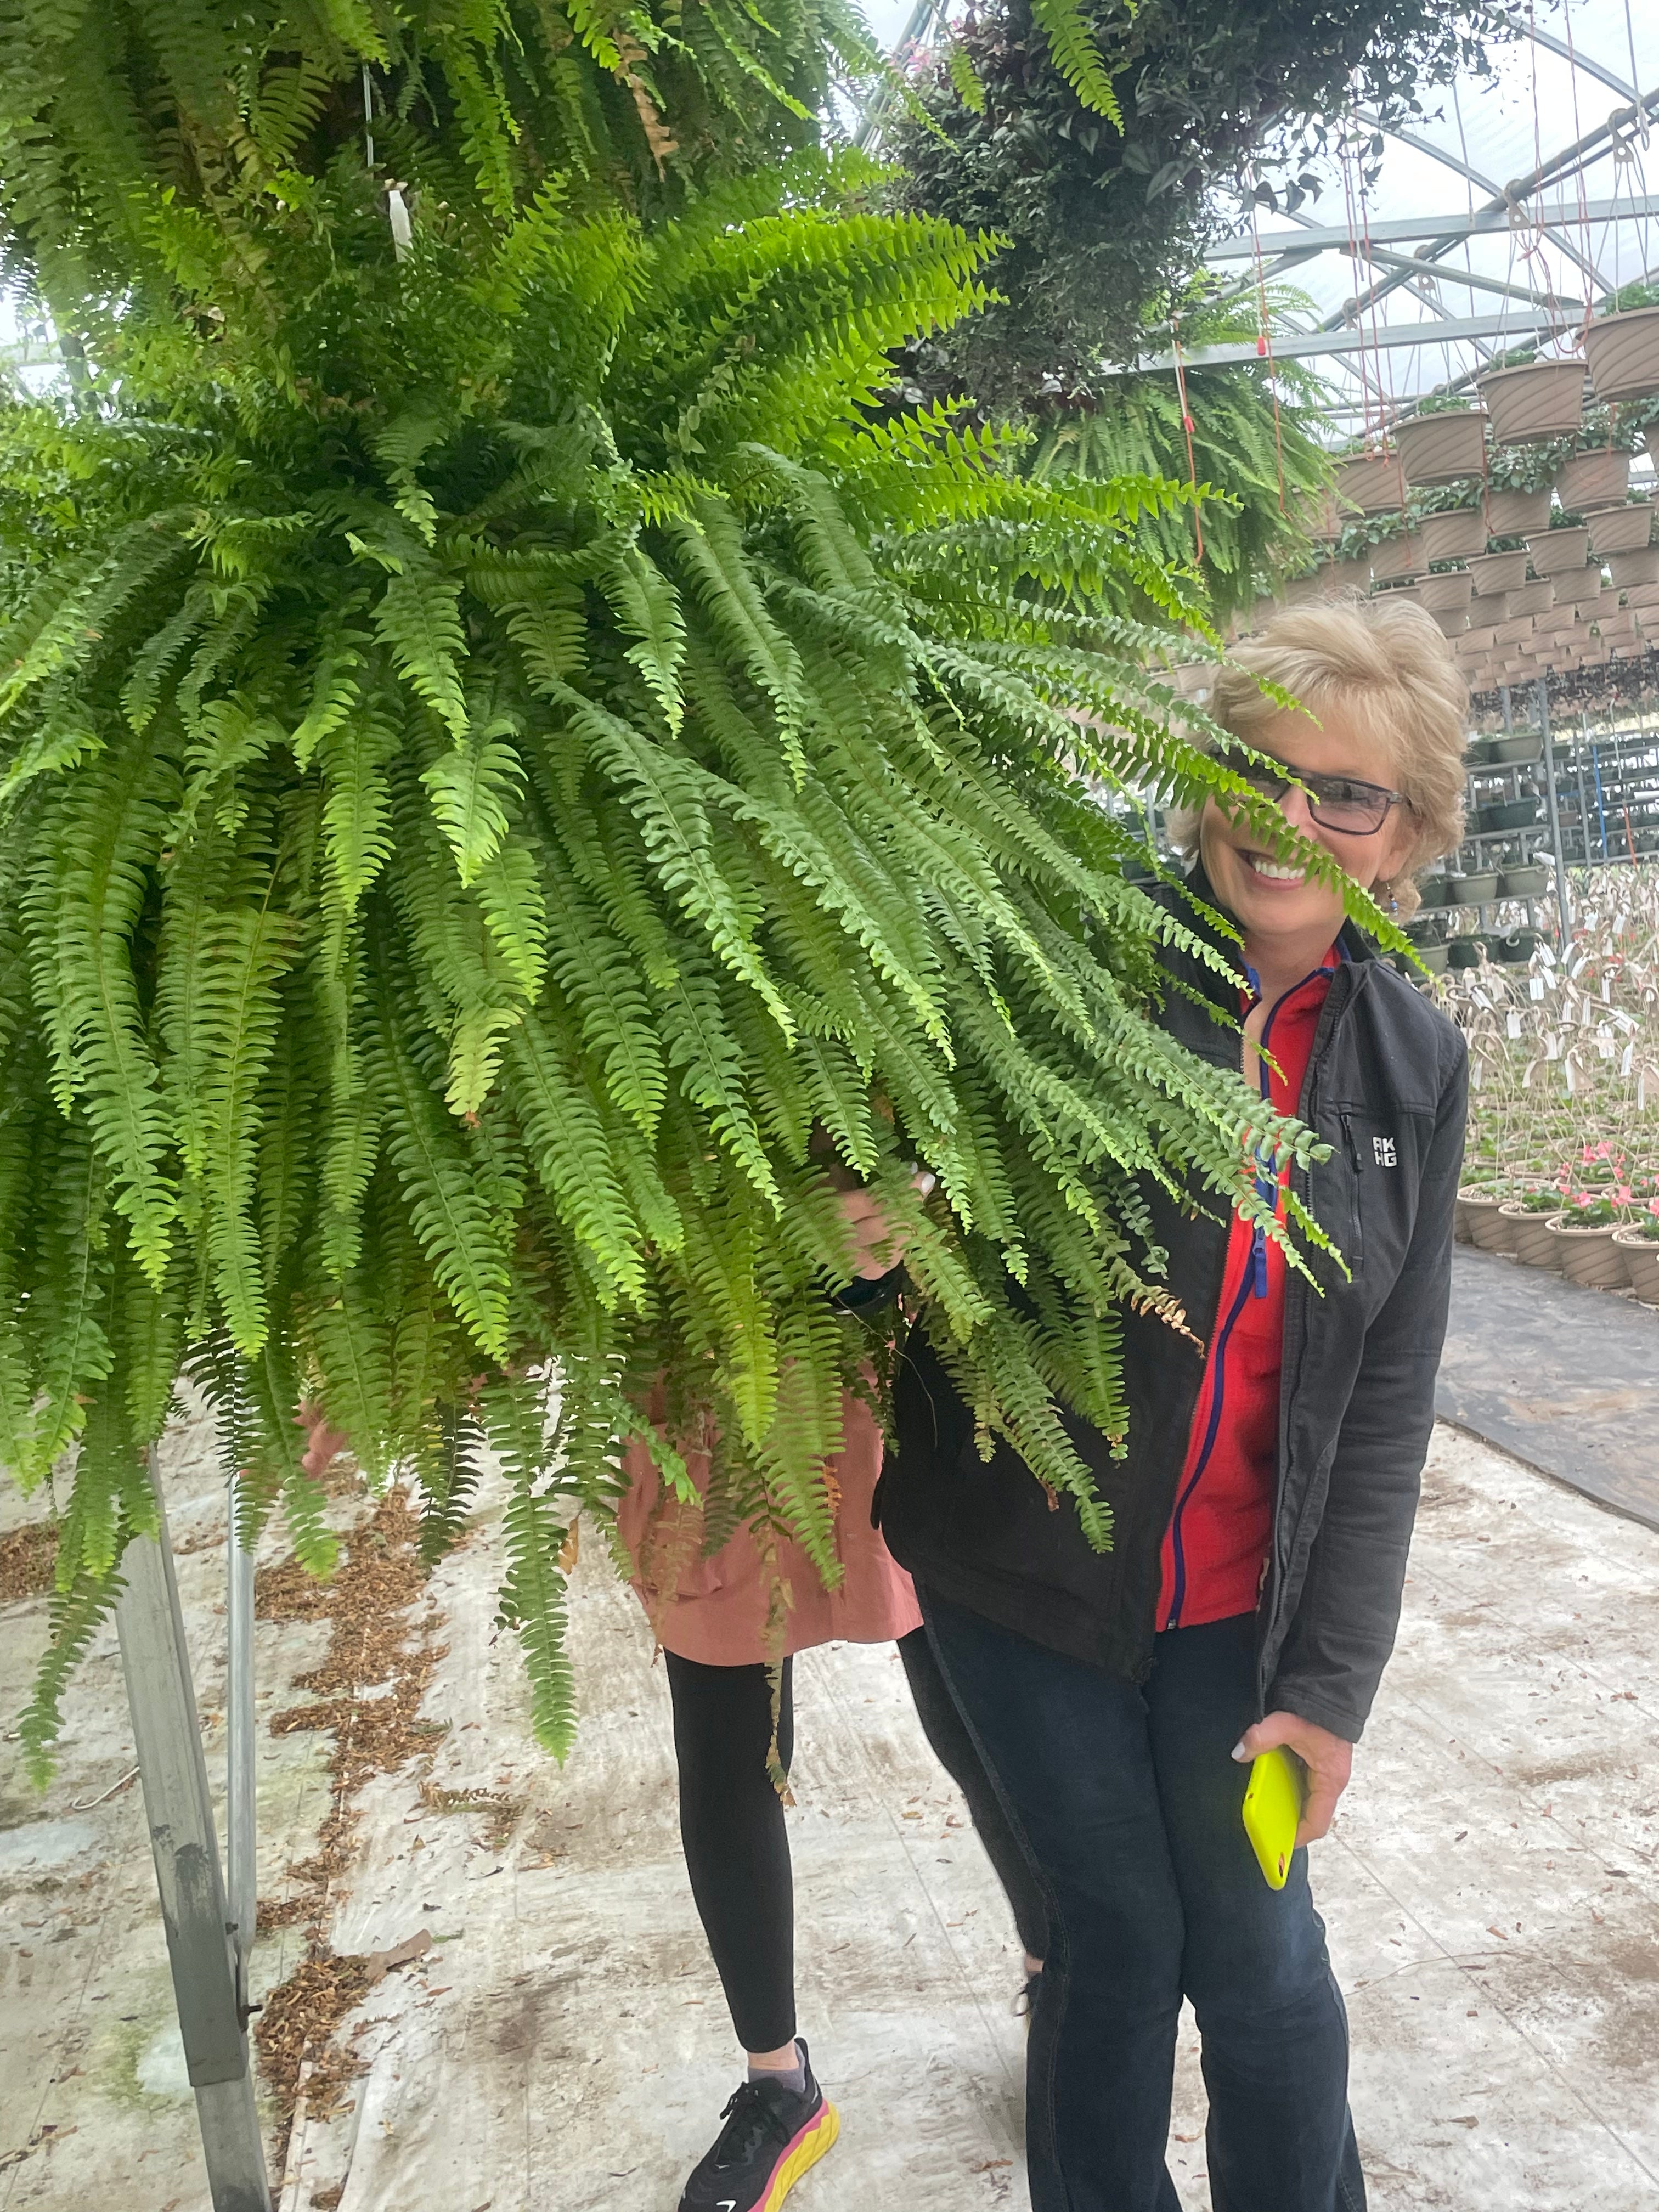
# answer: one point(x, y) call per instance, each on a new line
point(1254, 1285)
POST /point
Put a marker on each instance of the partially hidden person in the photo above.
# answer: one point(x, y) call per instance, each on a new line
point(729, 1661)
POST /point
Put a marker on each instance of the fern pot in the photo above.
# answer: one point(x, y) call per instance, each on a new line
point(1640, 567)
point(1494, 574)
point(1588, 1256)
point(1623, 352)
point(1554, 552)
point(1599, 477)
point(1641, 1258)
point(1459, 536)
point(1436, 449)
point(1543, 399)
point(1405, 555)
point(1533, 1245)
point(1527, 883)
point(1372, 482)
point(1516, 513)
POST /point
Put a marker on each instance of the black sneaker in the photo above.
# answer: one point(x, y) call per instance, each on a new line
point(771, 2138)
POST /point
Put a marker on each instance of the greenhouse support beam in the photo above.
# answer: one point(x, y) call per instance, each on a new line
point(1290, 246)
point(1309, 345)
point(1554, 812)
point(179, 1811)
point(241, 1853)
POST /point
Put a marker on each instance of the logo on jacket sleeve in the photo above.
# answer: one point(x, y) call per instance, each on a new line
point(1386, 1157)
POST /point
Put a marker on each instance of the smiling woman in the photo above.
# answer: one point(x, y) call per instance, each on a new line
point(1263, 1499)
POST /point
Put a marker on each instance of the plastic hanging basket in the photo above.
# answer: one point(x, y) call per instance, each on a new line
point(1556, 552)
point(1459, 536)
point(1446, 594)
point(1543, 399)
point(1623, 352)
point(1372, 482)
point(1403, 556)
point(1620, 529)
point(1436, 449)
point(1495, 573)
point(1515, 513)
point(1599, 477)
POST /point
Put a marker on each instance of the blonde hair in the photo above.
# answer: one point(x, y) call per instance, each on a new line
point(1384, 664)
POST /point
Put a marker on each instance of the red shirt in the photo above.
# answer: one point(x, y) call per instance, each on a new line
point(1216, 1544)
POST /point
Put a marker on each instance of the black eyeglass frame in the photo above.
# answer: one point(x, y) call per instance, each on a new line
point(1263, 772)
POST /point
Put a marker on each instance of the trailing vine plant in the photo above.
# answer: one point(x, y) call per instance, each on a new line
point(509, 774)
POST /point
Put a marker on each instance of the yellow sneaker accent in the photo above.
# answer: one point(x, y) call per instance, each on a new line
point(819, 2138)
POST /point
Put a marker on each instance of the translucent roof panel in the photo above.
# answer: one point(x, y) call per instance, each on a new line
point(1550, 247)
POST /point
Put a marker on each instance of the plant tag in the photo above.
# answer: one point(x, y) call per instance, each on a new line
point(1513, 1024)
point(1535, 989)
point(1626, 1056)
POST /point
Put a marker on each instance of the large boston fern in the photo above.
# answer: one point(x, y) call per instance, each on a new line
point(505, 781)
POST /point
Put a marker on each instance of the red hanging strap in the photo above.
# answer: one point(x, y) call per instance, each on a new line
point(1187, 425)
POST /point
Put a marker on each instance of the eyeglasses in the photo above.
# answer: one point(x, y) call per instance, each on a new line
point(1341, 803)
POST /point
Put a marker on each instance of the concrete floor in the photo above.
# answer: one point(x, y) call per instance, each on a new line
point(1491, 1889)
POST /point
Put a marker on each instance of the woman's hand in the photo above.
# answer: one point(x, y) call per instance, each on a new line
point(877, 1246)
point(1329, 1759)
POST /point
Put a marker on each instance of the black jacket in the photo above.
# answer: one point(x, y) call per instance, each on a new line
point(1386, 1087)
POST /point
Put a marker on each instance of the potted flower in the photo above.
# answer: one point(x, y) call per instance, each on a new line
point(1584, 1228)
point(1531, 1215)
point(1638, 1244)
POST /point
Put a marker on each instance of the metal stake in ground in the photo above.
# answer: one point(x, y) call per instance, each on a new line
point(1554, 812)
point(167, 1738)
point(242, 1862)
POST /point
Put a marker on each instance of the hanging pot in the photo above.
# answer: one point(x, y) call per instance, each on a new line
point(1436, 449)
point(1532, 1243)
point(1463, 952)
point(1516, 513)
point(1644, 595)
point(1319, 515)
point(1459, 536)
point(1641, 1255)
point(1444, 594)
point(1543, 399)
point(1514, 947)
point(1534, 598)
point(1579, 587)
point(1511, 632)
point(1641, 567)
point(1623, 352)
point(1434, 958)
point(1498, 572)
point(1394, 557)
point(1477, 642)
point(1506, 814)
point(1451, 622)
point(1300, 591)
point(1599, 477)
point(1347, 575)
point(1490, 1226)
point(1620, 529)
point(1555, 551)
point(1371, 481)
point(1478, 888)
point(1471, 1204)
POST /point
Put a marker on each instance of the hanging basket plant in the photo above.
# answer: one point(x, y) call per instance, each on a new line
point(1623, 529)
point(1597, 477)
point(1495, 573)
point(1440, 449)
point(1372, 482)
point(1622, 350)
point(1556, 552)
point(1541, 400)
point(1516, 513)
point(1457, 535)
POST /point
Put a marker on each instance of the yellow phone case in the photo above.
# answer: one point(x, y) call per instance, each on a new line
point(1273, 1807)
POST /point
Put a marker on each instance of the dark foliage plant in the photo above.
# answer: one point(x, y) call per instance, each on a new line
point(509, 774)
point(1105, 186)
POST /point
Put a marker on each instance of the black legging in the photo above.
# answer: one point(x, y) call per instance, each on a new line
point(737, 1846)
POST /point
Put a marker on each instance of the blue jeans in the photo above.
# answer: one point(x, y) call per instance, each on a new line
point(1129, 1805)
